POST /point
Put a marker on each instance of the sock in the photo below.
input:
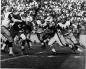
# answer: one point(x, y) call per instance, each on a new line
point(42, 43)
point(30, 43)
point(53, 50)
point(3, 47)
point(80, 50)
point(10, 50)
point(10, 45)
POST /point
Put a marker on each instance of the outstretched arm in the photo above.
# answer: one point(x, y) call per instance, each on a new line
point(16, 20)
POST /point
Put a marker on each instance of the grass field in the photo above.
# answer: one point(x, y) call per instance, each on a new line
point(44, 59)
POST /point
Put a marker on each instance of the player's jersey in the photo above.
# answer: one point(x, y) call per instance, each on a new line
point(39, 26)
point(7, 15)
point(19, 26)
point(51, 30)
point(28, 27)
point(7, 19)
point(63, 26)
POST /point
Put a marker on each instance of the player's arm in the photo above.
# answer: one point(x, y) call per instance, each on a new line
point(16, 20)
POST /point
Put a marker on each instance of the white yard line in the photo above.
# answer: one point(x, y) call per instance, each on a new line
point(40, 52)
point(12, 58)
point(18, 57)
point(23, 56)
point(51, 56)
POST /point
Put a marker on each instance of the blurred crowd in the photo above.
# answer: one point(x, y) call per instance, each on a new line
point(49, 10)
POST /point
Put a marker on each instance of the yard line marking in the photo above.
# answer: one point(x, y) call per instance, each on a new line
point(18, 57)
point(40, 52)
point(24, 56)
point(51, 56)
point(12, 58)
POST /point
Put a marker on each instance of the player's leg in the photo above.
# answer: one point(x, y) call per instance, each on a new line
point(44, 41)
point(28, 40)
point(72, 37)
point(82, 40)
point(3, 44)
point(7, 34)
point(34, 38)
point(50, 43)
point(75, 42)
point(23, 37)
point(58, 39)
point(69, 42)
point(63, 40)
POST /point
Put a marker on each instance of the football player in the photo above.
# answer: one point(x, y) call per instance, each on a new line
point(8, 19)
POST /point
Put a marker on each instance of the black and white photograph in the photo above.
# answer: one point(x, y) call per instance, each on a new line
point(43, 34)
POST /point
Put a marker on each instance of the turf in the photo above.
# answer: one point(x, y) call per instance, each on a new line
point(39, 58)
